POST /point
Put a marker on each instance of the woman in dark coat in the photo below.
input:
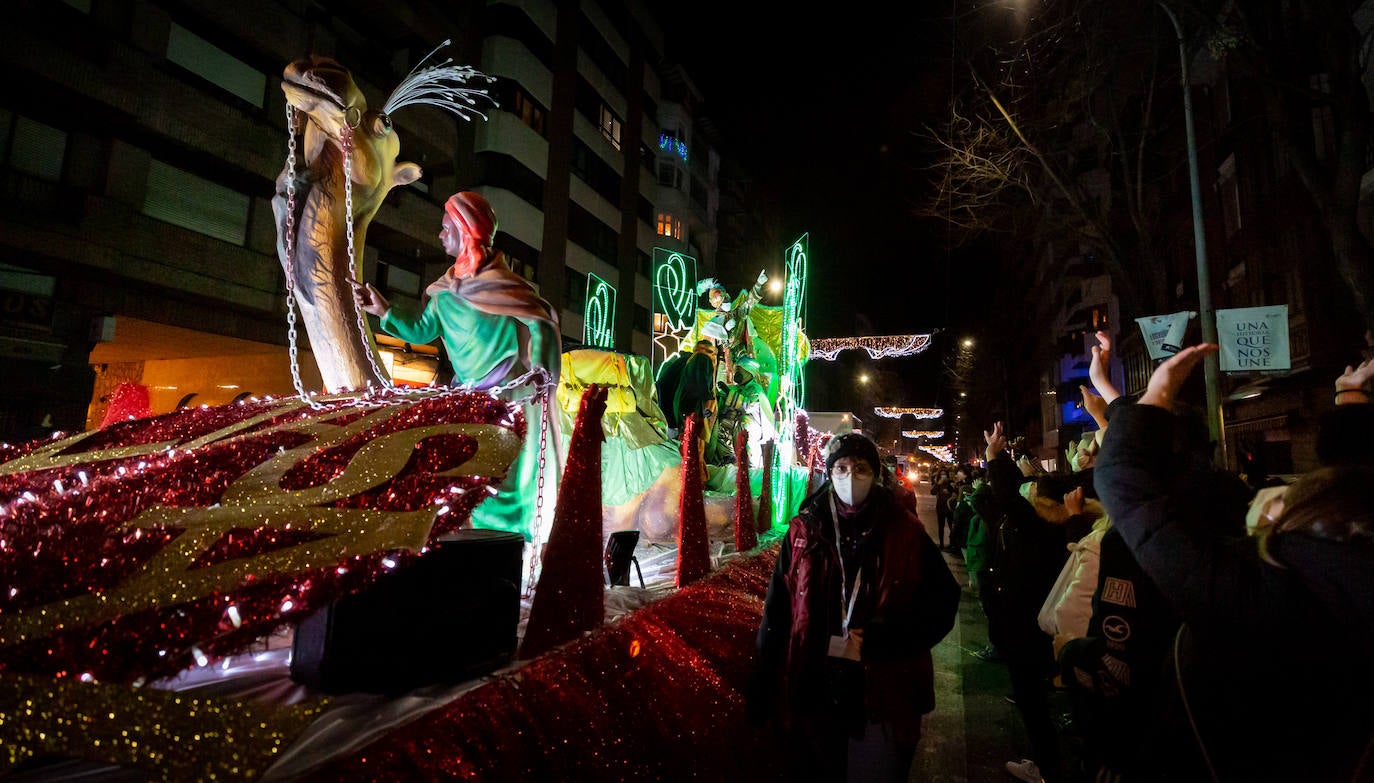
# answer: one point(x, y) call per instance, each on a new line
point(1269, 675)
point(850, 695)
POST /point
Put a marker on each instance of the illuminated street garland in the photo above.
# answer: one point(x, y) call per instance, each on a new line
point(920, 413)
point(923, 434)
point(598, 320)
point(941, 453)
point(877, 347)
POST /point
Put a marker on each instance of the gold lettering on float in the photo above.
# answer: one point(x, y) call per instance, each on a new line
point(257, 500)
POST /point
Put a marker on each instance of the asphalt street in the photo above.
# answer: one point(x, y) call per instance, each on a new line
point(974, 729)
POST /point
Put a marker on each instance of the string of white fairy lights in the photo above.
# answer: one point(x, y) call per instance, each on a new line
point(888, 347)
point(917, 434)
point(919, 413)
point(941, 453)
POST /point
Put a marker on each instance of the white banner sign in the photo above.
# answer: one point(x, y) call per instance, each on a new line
point(1253, 339)
point(1164, 333)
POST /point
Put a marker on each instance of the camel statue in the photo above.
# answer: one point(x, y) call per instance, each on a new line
point(313, 243)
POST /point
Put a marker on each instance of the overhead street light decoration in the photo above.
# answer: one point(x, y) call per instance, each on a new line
point(919, 413)
point(941, 453)
point(888, 347)
point(917, 434)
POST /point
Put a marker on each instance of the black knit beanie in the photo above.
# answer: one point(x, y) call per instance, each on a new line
point(854, 445)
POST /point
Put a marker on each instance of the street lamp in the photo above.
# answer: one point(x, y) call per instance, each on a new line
point(1210, 364)
point(775, 285)
point(863, 377)
point(968, 342)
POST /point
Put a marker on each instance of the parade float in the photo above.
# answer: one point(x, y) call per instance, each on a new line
point(293, 588)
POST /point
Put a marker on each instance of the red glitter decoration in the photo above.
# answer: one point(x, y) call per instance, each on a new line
point(571, 596)
point(127, 401)
point(766, 495)
point(746, 537)
point(655, 696)
point(693, 541)
point(68, 530)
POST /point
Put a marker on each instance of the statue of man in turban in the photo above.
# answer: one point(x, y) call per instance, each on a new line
point(495, 328)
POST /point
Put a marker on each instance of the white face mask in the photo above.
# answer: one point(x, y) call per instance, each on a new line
point(850, 489)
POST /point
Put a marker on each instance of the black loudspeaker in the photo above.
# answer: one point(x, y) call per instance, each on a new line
point(620, 553)
point(449, 616)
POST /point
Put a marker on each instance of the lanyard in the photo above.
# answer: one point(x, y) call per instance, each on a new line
point(846, 613)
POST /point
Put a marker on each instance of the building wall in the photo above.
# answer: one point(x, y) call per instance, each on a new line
point(141, 142)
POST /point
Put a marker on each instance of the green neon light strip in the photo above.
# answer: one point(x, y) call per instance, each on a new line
point(675, 281)
point(598, 319)
point(675, 297)
point(790, 368)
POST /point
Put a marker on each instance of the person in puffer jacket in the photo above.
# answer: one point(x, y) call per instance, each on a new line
point(858, 597)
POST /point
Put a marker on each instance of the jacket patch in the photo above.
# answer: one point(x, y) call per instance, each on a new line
point(1118, 591)
point(1116, 629)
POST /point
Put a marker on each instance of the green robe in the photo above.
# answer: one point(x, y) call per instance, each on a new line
point(484, 349)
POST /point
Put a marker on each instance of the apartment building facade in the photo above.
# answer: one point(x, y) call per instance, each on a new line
point(142, 139)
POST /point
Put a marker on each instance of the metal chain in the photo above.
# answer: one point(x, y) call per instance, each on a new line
point(346, 142)
point(291, 258)
point(539, 494)
point(538, 378)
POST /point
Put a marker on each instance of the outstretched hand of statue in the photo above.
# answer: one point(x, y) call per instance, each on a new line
point(763, 277)
point(369, 299)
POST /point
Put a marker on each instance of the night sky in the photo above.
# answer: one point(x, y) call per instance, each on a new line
point(828, 110)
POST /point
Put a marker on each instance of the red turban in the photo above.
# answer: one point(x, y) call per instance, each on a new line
point(474, 214)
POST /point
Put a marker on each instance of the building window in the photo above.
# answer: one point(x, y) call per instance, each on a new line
point(669, 226)
point(575, 291)
point(1229, 191)
point(394, 277)
point(610, 126)
point(1323, 119)
point(37, 149)
point(215, 65)
point(185, 200)
point(669, 175)
point(521, 267)
point(529, 112)
point(580, 161)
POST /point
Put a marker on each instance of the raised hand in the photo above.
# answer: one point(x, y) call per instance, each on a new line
point(1353, 385)
point(369, 299)
point(1168, 377)
point(1074, 501)
point(996, 440)
point(1095, 406)
point(1356, 377)
point(1100, 370)
point(763, 277)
